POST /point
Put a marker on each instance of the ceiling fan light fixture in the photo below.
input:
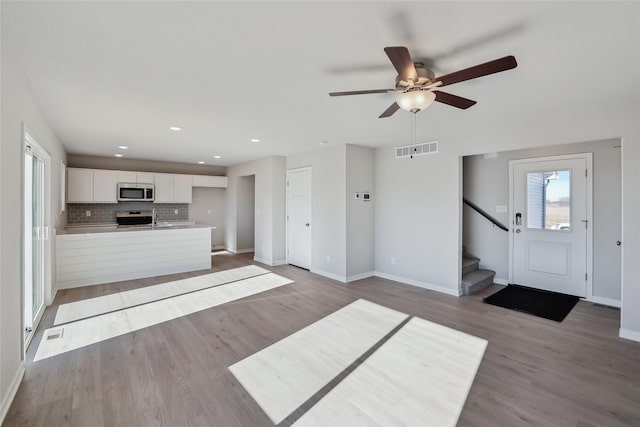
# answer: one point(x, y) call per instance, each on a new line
point(416, 100)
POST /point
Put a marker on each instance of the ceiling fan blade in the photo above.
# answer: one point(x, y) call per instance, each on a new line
point(491, 67)
point(361, 92)
point(401, 60)
point(454, 100)
point(389, 111)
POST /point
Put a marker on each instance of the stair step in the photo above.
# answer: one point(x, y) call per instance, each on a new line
point(469, 264)
point(474, 281)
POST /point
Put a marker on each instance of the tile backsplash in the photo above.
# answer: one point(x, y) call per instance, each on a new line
point(105, 213)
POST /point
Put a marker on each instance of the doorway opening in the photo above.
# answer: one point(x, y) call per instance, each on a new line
point(37, 251)
point(245, 238)
point(486, 185)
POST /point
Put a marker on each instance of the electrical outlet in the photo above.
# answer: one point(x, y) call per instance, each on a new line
point(328, 258)
point(87, 213)
point(175, 212)
point(393, 260)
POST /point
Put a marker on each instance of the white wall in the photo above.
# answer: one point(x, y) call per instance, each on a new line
point(328, 209)
point(418, 203)
point(18, 108)
point(208, 207)
point(360, 177)
point(417, 206)
point(486, 184)
point(269, 174)
point(246, 213)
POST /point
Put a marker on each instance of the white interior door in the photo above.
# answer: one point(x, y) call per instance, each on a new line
point(550, 233)
point(299, 217)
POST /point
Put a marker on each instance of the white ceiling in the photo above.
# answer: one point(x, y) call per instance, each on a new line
point(120, 73)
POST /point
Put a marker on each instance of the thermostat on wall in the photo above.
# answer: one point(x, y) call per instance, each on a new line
point(366, 197)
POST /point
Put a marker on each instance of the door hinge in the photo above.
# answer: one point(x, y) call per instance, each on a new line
point(287, 183)
point(287, 217)
point(586, 172)
point(585, 277)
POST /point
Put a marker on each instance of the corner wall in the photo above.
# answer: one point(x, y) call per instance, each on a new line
point(269, 208)
point(19, 108)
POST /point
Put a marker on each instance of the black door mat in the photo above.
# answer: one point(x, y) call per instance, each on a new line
point(550, 305)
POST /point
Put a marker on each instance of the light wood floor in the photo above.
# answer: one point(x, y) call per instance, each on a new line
point(535, 371)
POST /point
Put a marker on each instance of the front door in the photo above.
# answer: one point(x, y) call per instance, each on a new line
point(550, 228)
point(299, 217)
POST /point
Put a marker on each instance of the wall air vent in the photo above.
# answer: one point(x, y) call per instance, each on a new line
point(417, 150)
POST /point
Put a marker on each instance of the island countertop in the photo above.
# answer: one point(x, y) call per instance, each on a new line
point(113, 228)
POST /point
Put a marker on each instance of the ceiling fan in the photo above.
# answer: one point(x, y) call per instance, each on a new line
point(417, 85)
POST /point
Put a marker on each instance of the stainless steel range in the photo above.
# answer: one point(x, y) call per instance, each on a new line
point(134, 218)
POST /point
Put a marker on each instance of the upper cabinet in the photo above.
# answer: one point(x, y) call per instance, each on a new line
point(79, 185)
point(105, 186)
point(132, 177)
point(172, 188)
point(209, 181)
point(100, 186)
point(91, 186)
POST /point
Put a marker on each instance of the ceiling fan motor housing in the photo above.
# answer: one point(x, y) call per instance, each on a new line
point(424, 77)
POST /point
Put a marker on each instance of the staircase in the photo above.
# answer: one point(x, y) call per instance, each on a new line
point(473, 278)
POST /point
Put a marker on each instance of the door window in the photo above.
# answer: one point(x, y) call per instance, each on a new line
point(549, 200)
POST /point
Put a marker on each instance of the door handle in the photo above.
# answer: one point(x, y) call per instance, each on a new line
point(518, 218)
point(517, 230)
point(306, 225)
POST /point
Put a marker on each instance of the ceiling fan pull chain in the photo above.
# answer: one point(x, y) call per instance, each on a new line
point(413, 134)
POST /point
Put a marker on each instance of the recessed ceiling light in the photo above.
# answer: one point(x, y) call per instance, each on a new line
point(118, 155)
point(255, 139)
point(201, 162)
point(122, 147)
point(217, 157)
point(175, 128)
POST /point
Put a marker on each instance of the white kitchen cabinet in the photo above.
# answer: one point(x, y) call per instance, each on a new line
point(80, 185)
point(104, 186)
point(209, 181)
point(165, 184)
point(133, 177)
point(127, 176)
point(173, 188)
point(145, 178)
point(183, 186)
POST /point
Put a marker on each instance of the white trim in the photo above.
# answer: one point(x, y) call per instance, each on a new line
point(588, 157)
point(500, 281)
point(243, 251)
point(341, 279)
point(424, 285)
point(233, 251)
point(269, 263)
point(629, 334)
point(360, 276)
point(604, 301)
point(11, 393)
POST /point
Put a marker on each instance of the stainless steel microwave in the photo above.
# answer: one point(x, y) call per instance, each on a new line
point(131, 192)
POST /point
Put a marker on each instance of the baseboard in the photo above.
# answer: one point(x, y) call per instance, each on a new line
point(500, 281)
point(269, 263)
point(11, 393)
point(360, 276)
point(605, 301)
point(243, 251)
point(629, 335)
point(424, 285)
point(336, 277)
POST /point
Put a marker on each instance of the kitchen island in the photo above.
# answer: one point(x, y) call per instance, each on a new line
point(104, 254)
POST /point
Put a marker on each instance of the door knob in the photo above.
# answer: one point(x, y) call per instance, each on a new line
point(518, 230)
point(618, 243)
point(306, 225)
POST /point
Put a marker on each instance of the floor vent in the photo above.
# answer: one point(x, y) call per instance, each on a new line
point(53, 334)
point(417, 150)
